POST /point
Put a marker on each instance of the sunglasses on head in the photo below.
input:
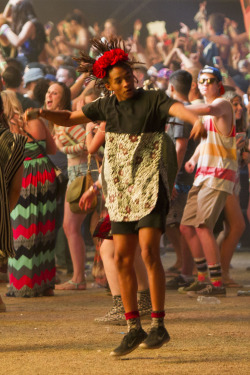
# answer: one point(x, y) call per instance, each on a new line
point(209, 81)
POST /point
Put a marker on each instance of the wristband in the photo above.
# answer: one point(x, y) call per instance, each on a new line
point(3, 29)
point(94, 188)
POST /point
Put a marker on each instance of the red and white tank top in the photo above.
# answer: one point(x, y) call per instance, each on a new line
point(217, 164)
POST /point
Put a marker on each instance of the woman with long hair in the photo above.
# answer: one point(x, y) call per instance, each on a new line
point(26, 33)
point(234, 220)
point(32, 270)
point(11, 172)
point(72, 142)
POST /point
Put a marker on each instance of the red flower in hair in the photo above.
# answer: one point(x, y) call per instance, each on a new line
point(108, 58)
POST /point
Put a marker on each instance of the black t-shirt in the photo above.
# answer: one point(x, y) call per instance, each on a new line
point(180, 129)
point(146, 112)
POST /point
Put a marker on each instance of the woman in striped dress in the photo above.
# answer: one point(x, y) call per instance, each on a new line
point(11, 171)
point(72, 141)
point(32, 271)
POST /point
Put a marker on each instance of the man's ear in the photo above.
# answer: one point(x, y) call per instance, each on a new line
point(194, 85)
point(171, 87)
point(107, 86)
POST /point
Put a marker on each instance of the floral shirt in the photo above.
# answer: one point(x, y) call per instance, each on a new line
point(137, 152)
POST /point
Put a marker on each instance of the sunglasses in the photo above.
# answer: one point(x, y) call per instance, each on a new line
point(209, 81)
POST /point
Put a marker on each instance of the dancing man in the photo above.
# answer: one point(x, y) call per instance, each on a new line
point(138, 174)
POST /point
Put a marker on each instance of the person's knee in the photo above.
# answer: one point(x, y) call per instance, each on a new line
point(186, 231)
point(122, 261)
point(150, 254)
point(70, 229)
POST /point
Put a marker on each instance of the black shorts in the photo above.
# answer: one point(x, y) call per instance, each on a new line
point(155, 219)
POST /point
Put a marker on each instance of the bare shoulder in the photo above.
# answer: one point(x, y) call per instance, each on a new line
point(36, 128)
point(222, 101)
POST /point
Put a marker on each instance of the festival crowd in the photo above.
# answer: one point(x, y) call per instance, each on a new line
point(118, 145)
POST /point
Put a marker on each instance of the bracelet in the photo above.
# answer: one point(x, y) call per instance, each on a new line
point(94, 188)
point(3, 29)
point(224, 75)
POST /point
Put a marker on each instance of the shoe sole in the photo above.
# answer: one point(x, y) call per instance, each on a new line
point(143, 345)
point(114, 354)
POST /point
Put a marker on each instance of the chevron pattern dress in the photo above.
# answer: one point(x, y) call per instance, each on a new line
point(32, 271)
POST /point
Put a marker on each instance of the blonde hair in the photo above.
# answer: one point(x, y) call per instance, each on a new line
point(11, 105)
point(11, 108)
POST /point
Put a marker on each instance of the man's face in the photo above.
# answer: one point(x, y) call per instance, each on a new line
point(62, 75)
point(209, 86)
point(121, 81)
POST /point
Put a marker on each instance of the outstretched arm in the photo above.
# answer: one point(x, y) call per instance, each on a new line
point(63, 118)
point(182, 112)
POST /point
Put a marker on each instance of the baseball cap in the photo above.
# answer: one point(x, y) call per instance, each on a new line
point(215, 72)
point(164, 73)
point(32, 75)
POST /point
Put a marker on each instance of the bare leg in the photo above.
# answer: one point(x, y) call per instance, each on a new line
point(173, 234)
point(2, 305)
point(72, 228)
point(187, 259)
point(236, 223)
point(192, 240)
point(125, 248)
point(140, 270)
point(209, 245)
point(107, 252)
point(149, 239)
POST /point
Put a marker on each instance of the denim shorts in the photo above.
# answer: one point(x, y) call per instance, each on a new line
point(81, 170)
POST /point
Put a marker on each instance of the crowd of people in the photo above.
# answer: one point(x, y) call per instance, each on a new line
point(168, 121)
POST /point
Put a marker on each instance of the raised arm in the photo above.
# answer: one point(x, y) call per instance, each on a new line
point(18, 40)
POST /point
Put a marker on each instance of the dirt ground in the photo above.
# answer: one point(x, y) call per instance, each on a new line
point(58, 335)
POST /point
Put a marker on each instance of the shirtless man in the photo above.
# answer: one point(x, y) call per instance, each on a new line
point(214, 180)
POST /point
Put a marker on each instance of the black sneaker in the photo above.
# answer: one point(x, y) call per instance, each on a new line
point(130, 342)
point(178, 282)
point(211, 290)
point(156, 338)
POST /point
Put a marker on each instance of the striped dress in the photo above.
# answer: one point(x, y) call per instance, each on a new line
point(11, 159)
point(32, 271)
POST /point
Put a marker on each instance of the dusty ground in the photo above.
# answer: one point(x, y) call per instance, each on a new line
point(57, 335)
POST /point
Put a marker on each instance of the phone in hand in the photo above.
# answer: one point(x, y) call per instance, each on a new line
point(241, 135)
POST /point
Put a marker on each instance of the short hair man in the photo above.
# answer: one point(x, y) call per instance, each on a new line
point(179, 87)
point(12, 79)
point(66, 74)
point(138, 176)
point(215, 178)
